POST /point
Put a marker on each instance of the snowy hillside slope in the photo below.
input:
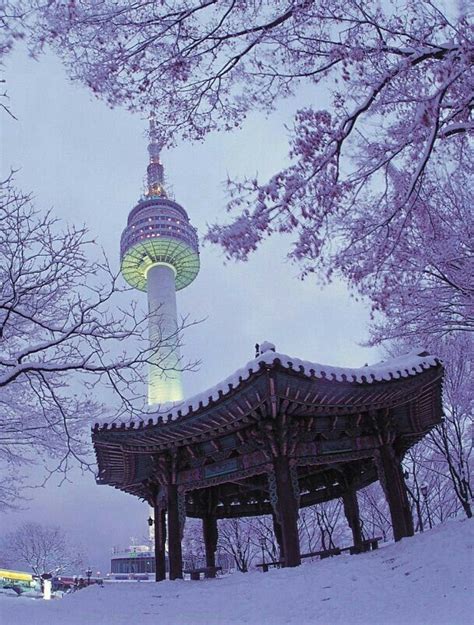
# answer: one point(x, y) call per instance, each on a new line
point(424, 580)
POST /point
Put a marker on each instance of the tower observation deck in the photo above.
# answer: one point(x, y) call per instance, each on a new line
point(159, 252)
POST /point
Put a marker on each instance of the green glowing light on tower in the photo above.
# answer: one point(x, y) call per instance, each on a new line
point(163, 250)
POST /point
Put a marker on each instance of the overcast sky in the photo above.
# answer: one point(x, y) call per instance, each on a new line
point(88, 163)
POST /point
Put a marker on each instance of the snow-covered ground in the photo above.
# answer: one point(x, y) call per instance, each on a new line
point(425, 580)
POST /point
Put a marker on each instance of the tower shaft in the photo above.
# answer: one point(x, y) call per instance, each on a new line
point(164, 377)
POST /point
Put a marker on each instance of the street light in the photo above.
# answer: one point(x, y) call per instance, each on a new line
point(88, 574)
point(151, 522)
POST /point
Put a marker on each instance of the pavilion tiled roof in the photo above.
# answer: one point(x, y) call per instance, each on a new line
point(405, 366)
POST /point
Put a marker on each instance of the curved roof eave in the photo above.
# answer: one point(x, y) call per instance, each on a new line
point(405, 366)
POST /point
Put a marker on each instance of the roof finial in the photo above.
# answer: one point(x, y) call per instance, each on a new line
point(155, 177)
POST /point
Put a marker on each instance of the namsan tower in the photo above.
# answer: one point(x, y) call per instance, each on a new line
point(159, 252)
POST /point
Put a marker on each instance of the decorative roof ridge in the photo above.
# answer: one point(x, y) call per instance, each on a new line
point(403, 366)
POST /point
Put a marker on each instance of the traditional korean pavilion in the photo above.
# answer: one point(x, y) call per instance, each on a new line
point(276, 436)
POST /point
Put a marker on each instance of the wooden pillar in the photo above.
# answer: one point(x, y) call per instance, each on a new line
point(351, 510)
point(174, 534)
point(391, 478)
point(287, 509)
point(278, 536)
point(209, 530)
point(160, 542)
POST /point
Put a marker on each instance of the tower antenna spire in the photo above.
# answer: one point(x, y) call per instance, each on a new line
point(155, 171)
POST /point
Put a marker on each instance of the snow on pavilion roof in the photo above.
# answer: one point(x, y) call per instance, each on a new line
point(404, 366)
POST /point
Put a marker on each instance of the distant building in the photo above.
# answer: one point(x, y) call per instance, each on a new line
point(139, 560)
point(133, 560)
